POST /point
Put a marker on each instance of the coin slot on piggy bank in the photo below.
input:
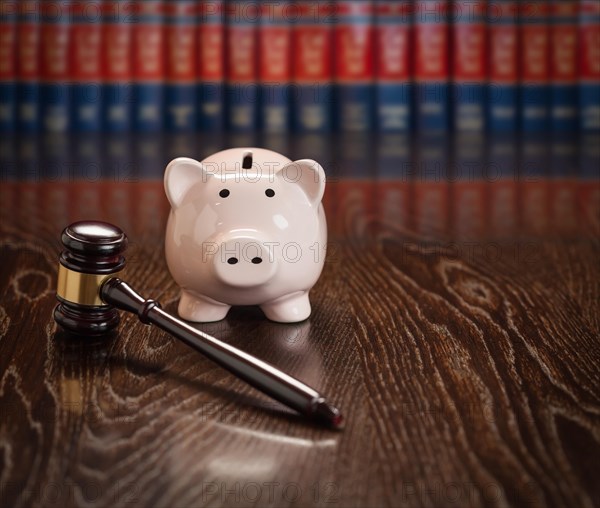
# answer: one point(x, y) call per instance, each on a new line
point(245, 235)
point(247, 162)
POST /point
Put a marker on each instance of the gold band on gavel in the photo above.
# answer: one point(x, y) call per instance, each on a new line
point(81, 288)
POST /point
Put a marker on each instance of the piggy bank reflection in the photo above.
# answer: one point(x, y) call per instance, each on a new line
point(247, 227)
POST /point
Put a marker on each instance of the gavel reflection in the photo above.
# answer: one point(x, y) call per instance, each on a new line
point(89, 293)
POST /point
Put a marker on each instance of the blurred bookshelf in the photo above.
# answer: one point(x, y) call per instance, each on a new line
point(381, 66)
point(465, 114)
point(448, 156)
point(456, 186)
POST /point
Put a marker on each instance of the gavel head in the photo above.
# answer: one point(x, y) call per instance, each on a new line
point(93, 253)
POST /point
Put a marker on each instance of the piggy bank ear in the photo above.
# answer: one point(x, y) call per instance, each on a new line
point(309, 175)
point(181, 174)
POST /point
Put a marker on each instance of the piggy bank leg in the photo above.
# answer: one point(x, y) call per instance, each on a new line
point(288, 309)
point(200, 309)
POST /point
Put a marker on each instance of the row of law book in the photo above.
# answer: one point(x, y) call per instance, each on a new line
point(299, 66)
point(476, 213)
point(461, 214)
point(441, 157)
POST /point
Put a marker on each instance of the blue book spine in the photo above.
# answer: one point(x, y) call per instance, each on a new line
point(211, 66)
point(180, 98)
point(564, 156)
point(431, 185)
point(149, 155)
point(312, 72)
point(118, 18)
point(8, 70)
point(432, 69)
point(55, 66)
point(9, 167)
point(86, 68)
point(148, 66)
point(503, 70)
point(502, 177)
point(469, 64)
point(535, 66)
point(563, 65)
point(242, 93)
point(28, 67)
point(589, 162)
point(393, 45)
point(468, 186)
point(394, 156)
point(589, 65)
point(275, 66)
point(354, 66)
point(588, 178)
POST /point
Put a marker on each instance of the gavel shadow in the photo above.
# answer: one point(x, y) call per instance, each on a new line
point(95, 355)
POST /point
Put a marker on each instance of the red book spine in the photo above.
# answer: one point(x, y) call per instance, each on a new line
point(28, 66)
point(275, 65)
point(563, 65)
point(242, 65)
point(469, 62)
point(534, 207)
point(432, 67)
point(354, 65)
point(119, 18)
point(431, 206)
point(393, 64)
point(148, 65)
point(8, 67)
point(392, 199)
point(564, 207)
point(181, 49)
point(503, 208)
point(85, 64)
point(431, 44)
point(535, 65)
point(211, 65)
point(312, 72)
point(151, 206)
point(503, 68)
point(589, 65)
point(588, 196)
point(54, 65)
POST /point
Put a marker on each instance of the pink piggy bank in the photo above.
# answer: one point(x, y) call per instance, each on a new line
point(247, 227)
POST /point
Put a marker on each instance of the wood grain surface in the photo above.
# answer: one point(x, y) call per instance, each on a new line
point(456, 324)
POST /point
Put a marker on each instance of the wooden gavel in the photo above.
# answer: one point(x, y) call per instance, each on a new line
point(89, 293)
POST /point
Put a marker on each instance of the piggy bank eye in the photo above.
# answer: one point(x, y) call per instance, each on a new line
point(270, 193)
point(224, 193)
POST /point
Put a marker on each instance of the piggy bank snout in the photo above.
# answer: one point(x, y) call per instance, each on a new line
point(244, 262)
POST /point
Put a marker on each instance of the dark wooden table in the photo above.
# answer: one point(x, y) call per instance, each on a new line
point(456, 324)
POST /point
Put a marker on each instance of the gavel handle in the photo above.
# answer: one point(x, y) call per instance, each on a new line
point(255, 372)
